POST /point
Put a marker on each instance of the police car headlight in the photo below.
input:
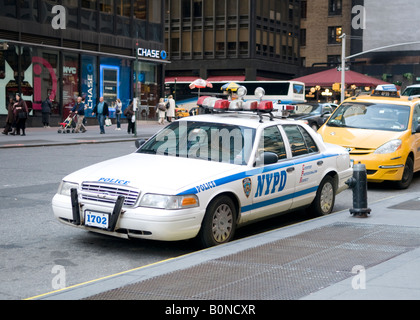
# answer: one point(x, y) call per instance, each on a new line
point(65, 187)
point(389, 147)
point(160, 201)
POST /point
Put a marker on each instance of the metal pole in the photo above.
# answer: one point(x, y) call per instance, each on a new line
point(343, 66)
point(137, 85)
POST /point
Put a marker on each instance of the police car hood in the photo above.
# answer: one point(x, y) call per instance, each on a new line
point(154, 173)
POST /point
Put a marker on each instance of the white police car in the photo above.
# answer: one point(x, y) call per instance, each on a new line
point(205, 175)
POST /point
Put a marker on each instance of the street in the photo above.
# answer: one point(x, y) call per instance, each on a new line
point(33, 243)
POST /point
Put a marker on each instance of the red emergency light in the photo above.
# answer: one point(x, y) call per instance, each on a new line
point(222, 105)
point(265, 106)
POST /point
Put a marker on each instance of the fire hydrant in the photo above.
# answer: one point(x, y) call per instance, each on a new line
point(358, 183)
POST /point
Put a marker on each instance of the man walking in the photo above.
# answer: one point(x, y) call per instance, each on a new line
point(102, 111)
point(79, 109)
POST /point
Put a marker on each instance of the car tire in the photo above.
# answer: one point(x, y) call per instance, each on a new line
point(219, 223)
point(407, 177)
point(324, 201)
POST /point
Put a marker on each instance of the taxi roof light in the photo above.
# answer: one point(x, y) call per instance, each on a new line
point(386, 90)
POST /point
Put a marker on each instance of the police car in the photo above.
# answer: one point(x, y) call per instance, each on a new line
point(241, 167)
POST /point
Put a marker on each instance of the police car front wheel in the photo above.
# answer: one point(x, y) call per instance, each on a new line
point(219, 223)
point(323, 203)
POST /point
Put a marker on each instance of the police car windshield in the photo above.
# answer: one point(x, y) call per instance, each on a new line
point(373, 116)
point(203, 140)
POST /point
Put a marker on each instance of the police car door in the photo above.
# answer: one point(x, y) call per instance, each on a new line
point(308, 164)
point(272, 184)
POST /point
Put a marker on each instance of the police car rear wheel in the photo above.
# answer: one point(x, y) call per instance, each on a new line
point(219, 223)
point(325, 197)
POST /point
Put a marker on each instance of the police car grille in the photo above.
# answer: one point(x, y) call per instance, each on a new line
point(131, 195)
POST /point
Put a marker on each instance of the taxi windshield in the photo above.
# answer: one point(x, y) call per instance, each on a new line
point(203, 140)
point(373, 116)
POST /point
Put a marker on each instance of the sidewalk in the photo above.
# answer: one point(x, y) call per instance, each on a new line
point(40, 137)
point(334, 257)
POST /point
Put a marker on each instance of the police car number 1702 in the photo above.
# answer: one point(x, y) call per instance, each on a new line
point(96, 219)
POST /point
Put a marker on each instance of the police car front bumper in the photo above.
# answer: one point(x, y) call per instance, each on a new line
point(130, 222)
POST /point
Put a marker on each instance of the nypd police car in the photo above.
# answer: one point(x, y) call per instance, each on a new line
point(238, 168)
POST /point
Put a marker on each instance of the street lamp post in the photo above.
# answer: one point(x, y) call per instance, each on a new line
point(343, 66)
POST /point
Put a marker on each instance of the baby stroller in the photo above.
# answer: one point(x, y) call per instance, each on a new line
point(68, 125)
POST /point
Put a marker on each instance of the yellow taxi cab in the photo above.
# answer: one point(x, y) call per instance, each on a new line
point(381, 131)
point(181, 113)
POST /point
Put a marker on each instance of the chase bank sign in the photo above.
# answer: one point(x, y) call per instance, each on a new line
point(154, 54)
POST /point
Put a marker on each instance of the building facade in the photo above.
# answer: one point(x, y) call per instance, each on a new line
point(63, 49)
point(322, 24)
point(232, 39)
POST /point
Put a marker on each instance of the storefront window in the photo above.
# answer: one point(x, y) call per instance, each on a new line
point(114, 82)
point(42, 75)
point(70, 82)
point(147, 88)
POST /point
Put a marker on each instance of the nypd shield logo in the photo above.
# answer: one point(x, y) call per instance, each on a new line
point(247, 185)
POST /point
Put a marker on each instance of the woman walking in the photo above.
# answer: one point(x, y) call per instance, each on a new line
point(20, 113)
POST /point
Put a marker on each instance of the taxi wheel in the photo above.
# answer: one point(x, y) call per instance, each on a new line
point(219, 223)
point(407, 177)
point(323, 203)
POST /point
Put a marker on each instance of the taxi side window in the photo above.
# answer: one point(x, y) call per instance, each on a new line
point(273, 142)
point(416, 118)
point(300, 141)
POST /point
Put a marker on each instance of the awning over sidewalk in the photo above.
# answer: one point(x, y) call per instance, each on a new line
point(210, 79)
point(329, 77)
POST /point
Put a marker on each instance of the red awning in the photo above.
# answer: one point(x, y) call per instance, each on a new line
point(329, 77)
point(181, 79)
point(226, 78)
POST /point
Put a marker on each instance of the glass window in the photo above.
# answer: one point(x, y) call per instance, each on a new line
point(106, 6)
point(334, 34)
point(272, 141)
point(416, 118)
point(124, 8)
point(334, 7)
point(372, 116)
point(296, 140)
point(89, 4)
point(140, 9)
point(310, 143)
point(203, 140)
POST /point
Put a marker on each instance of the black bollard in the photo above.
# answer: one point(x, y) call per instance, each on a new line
point(358, 183)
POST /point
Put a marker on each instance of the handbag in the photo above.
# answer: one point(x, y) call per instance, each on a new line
point(22, 115)
point(108, 122)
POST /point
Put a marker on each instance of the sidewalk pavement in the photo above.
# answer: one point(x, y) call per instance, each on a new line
point(40, 137)
point(337, 257)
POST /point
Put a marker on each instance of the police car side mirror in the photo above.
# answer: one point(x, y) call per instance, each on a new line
point(269, 158)
point(139, 143)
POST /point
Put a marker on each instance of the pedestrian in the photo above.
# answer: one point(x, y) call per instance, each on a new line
point(102, 112)
point(161, 108)
point(79, 110)
point(170, 112)
point(46, 108)
point(129, 113)
point(118, 113)
point(20, 113)
point(10, 117)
